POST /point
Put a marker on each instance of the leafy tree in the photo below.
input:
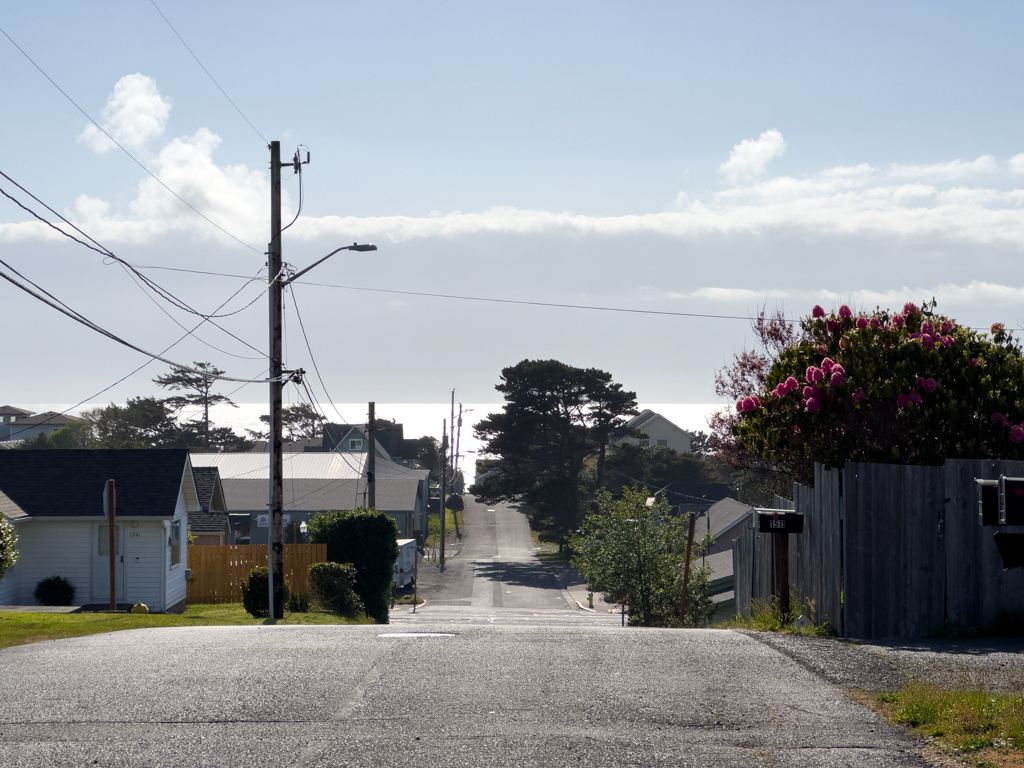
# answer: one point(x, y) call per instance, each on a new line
point(630, 551)
point(8, 546)
point(298, 422)
point(555, 416)
point(142, 422)
point(908, 387)
point(198, 385)
point(653, 467)
point(367, 539)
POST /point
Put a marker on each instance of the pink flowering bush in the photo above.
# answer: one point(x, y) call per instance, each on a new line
point(908, 387)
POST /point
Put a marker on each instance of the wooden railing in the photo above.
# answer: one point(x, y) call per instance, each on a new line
point(218, 571)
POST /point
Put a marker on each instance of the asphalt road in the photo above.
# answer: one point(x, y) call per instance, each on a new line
point(494, 671)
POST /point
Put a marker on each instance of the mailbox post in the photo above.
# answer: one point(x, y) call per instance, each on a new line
point(780, 523)
point(1001, 503)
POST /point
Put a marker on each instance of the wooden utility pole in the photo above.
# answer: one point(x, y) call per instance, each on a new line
point(371, 459)
point(275, 543)
point(454, 463)
point(686, 573)
point(441, 458)
point(109, 497)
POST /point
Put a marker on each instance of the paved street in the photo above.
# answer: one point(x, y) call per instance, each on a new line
point(499, 669)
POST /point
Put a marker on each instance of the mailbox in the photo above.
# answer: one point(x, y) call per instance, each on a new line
point(1011, 500)
point(988, 502)
point(1011, 549)
point(779, 521)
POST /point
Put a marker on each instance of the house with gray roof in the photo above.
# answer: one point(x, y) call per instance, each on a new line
point(19, 424)
point(650, 429)
point(210, 525)
point(54, 499)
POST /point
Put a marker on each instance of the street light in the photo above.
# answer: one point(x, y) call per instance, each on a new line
point(353, 247)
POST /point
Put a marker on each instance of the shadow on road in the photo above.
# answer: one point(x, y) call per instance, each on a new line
point(519, 574)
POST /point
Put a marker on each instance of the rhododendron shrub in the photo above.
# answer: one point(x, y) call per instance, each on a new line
point(908, 387)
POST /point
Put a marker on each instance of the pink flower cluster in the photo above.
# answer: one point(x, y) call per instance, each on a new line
point(817, 311)
point(747, 404)
point(898, 320)
point(785, 387)
point(858, 394)
point(1017, 433)
point(946, 326)
point(1016, 430)
point(904, 401)
point(862, 323)
point(997, 418)
point(814, 374)
point(910, 308)
point(928, 385)
point(845, 312)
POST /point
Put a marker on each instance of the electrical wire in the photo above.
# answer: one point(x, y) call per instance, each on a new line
point(187, 48)
point(122, 148)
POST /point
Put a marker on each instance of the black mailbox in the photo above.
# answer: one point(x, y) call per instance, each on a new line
point(1011, 549)
point(988, 502)
point(1011, 500)
point(779, 521)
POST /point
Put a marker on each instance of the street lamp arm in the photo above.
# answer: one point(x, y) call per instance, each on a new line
point(353, 247)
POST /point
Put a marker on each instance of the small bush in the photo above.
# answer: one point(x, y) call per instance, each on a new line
point(298, 602)
point(334, 586)
point(8, 546)
point(255, 599)
point(54, 590)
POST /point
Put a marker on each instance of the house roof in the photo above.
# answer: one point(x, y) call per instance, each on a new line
point(208, 488)
point(205, 522)
point(319, 495)
point(65, 483)
point(646, 416)
point(51, 418)
point(10, 410)
point(725, 514)
point(298, 466)
point(9, 509)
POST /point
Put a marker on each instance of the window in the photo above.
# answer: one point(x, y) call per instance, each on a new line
point(175, 542)
point(355, 445)
point(104, 542)
point(663, 443)
point(644, 442)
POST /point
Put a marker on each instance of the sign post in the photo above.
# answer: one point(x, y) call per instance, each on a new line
point(780, 523)
point(109, 504)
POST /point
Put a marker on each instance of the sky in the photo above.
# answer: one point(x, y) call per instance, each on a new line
point(674, 158)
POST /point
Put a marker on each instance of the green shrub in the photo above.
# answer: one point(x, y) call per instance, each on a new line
point(334, 586)
point(8, 546)
point(367, 539)
point(54, 590)
point(255, 599)
point(298, 602)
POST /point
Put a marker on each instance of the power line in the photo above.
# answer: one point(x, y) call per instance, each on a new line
point(207, 72)
point(122, 148)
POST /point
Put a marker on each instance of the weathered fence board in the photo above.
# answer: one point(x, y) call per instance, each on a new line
point(218, 571)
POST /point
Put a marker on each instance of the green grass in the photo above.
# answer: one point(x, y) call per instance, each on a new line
point(17, 628)
point(961, 721)
point(434, 528)
point(766, 616)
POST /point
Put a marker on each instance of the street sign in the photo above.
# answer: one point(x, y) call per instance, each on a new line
point(779, 521)
point(262, 521)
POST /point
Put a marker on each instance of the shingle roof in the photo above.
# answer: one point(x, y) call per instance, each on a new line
point(10, 410)
point(60, 483)
point(725, 513)
point(206, 483)
point(51, 418)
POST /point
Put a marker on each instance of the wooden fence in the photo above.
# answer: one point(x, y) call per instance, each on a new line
point(218, 571)
point(890, 551)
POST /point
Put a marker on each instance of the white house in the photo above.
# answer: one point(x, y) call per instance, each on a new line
point(54, 499)
point(656, 431)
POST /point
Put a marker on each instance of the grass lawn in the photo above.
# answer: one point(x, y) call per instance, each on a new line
point(434, 528)
point(985, 730)
point(17, 628)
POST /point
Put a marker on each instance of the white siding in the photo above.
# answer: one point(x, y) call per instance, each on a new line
point(176, 585)
point(55, 548)
point(143, 544)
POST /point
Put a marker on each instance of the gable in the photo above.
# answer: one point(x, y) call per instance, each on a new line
point(70, 483)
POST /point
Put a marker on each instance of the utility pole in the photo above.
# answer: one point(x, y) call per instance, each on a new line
point(371, 459)
point(275, 544)
point(454, 462)
point(441, 458)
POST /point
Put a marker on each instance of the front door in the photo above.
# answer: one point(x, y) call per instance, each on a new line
point(101, 563)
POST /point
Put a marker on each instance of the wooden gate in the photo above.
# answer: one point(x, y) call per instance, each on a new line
point(218, 571)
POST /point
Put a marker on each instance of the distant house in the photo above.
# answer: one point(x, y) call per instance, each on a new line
point(54, 499)
point(317, 482)
point(656, 431)
point(694, 497)
point(726, 519)
point(17, 424)
point(210, 524)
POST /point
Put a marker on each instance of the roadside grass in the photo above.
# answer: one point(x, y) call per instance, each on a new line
point(986, 729)
point(18, 628)
point(767, 616)
point(434, 528)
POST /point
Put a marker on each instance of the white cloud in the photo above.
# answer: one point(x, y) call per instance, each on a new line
point(954, 169)
point(750, 157)
point(976, 292)
point(1017, 163)
point(134, 114)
